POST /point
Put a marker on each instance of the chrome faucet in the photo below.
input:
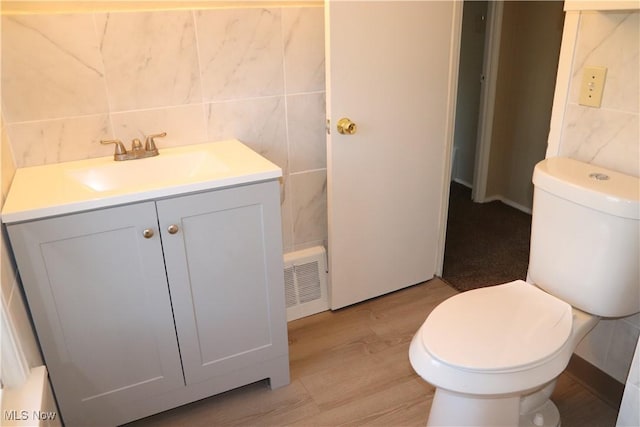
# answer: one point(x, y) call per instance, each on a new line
point(137, 151)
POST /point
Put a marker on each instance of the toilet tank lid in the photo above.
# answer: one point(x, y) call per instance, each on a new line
point(589, 185)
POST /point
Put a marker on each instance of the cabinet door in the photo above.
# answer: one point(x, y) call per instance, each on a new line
point(99, 297)
point(225, 272)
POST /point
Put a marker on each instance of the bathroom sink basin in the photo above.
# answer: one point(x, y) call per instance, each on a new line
point(113, 175)
point(62, 188)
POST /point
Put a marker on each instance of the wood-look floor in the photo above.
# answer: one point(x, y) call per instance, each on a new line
point(351, 367)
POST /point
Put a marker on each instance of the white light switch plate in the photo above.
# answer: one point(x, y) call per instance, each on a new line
point(592, 86)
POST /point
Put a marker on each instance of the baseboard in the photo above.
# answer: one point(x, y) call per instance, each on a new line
point(607, 388)
point(497, 197)
point(508, 202)
point(462, 182)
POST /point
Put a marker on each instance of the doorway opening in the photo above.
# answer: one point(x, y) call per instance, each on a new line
point(508, 65)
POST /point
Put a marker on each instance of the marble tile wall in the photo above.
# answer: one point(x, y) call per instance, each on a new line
point(254, 74)
point(610, 137)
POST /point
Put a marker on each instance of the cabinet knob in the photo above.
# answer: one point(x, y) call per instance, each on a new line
point(172, 229)
point(147, 233)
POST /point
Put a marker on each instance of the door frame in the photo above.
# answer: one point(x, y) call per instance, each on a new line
point(454, 66)
point(487, 100)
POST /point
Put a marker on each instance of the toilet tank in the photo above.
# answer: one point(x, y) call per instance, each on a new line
point(585, 236)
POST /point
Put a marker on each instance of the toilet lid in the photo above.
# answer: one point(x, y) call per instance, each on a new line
point(497, 328)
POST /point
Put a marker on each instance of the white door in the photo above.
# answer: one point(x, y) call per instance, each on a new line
point(391, 69)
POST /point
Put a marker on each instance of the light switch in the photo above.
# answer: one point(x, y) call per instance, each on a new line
point(592, 86)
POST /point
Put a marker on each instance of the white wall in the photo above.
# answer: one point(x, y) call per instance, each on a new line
point(608, 136)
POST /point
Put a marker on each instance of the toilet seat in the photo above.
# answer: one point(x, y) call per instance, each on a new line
point(502, 328)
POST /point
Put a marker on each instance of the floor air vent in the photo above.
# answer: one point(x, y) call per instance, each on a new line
point(305, 279)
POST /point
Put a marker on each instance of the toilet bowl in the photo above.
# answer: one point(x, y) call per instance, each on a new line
point(506, 343)
point(493, 354)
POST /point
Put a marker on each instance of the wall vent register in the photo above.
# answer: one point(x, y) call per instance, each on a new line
point(305, 279)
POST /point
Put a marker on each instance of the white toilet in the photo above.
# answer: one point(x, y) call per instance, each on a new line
point(494, 353)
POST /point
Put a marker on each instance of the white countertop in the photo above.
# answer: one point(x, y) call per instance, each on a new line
point(62, 188)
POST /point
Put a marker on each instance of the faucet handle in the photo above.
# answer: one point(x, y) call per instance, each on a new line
point(150, 144)
point(119, 145)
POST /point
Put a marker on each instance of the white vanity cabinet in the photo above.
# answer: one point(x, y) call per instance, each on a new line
point(143, 307)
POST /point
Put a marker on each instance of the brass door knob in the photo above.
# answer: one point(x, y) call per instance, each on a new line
point(172, 229)
point(346, 126)
point(147, 233)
